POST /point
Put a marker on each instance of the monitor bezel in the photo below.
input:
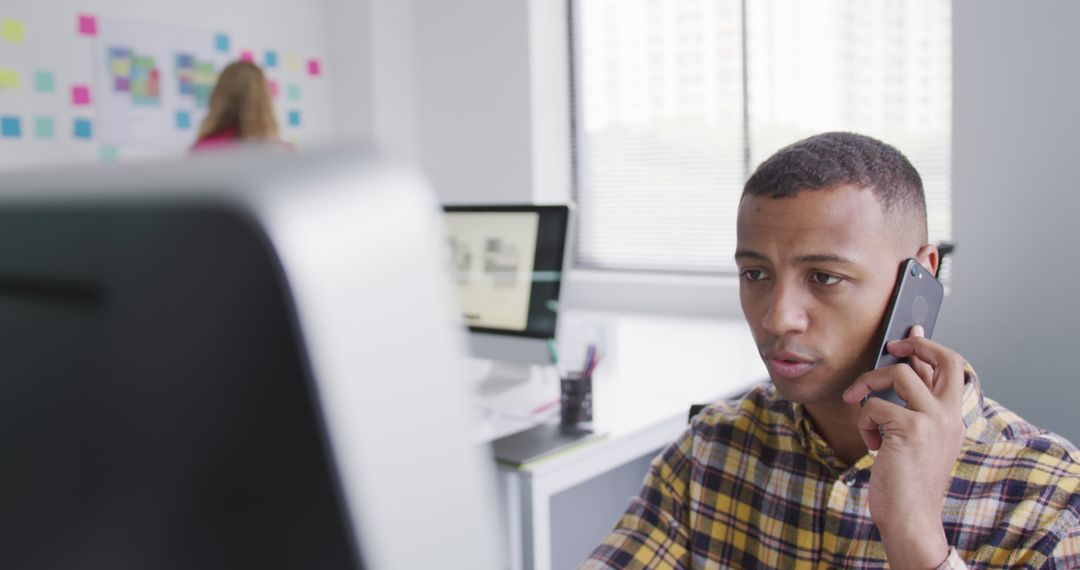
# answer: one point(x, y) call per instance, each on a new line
point(562, 213)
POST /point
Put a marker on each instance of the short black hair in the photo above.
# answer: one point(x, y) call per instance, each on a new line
point(830, 160)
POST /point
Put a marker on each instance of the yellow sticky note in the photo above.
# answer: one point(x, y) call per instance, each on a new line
point(13, 30)
point(121, 67)
point(9, 79)
point(292, 62)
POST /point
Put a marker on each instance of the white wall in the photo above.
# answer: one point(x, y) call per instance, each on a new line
point(1014, 311)
point(286, 26)
point(348, 38)
point(476, 91)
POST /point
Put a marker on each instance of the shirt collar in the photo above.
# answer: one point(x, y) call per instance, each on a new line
point(972, 409)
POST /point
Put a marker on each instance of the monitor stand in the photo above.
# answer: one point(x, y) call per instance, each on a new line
point(502, 376)
point(508, 360)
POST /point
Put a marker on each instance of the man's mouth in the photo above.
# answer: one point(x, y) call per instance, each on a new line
point(788, 364)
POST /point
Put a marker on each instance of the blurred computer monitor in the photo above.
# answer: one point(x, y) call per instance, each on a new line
point(239, 361)
point(507, 262)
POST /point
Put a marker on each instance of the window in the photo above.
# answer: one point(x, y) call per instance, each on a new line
point(677, 101)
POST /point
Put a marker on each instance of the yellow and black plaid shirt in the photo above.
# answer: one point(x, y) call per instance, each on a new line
point(751, 485)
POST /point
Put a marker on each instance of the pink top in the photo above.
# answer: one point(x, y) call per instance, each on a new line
point(225, 138)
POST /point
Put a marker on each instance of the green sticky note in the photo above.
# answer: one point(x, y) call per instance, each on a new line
point(109, 153)
point(294, 92)
point(9, 79)
point(44, 82)
point(12, 30)
point(43, 127)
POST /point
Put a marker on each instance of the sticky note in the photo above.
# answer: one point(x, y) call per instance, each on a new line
point(44, 81)
point(121, 67)
point(108, 153)
point(43, 127)
point(294, 118)
point(82, 129)
point(9, 79)
point(313, 67)
point(292, 62)
point(270, 58)
point(183, 120)
point(221, 42)
point(80, 95)
point(294, 92)
point(273, 87)
point(10, 127)
point(121, 84)
point(87, 25)
point(12, 30)
point(246, 55)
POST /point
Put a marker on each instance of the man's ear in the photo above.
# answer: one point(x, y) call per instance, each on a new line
point(929, 258)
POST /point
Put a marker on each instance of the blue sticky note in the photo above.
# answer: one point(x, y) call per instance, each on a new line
point(270, 58)
point(44, 81)
point(294, 118)
point(183, 120)
point(43, 127)
point(10, 127)
point(83, 129)
point(108, 153)
point(221, 42)
point(294, 92)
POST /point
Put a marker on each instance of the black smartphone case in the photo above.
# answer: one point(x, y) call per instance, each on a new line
point(916, 300)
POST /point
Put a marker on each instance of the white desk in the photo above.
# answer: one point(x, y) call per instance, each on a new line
point(655, 368)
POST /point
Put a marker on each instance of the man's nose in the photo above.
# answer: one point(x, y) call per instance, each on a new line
point(787, 311)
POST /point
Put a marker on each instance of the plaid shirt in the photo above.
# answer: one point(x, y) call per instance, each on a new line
point(750, 484)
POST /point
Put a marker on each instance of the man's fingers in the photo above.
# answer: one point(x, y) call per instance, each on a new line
point(948, 367)
point(875, 418)
point(924, 370)
point(899, 377)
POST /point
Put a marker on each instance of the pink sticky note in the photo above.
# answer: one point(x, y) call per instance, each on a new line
point(246, 55)
point(80, 95)
point(313, 67)
point(273, 87)
point(87, 25)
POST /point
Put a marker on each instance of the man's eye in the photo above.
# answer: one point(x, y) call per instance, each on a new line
point(824, 278)
point(752, 274)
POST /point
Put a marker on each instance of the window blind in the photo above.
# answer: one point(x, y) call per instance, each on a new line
point(678, 100)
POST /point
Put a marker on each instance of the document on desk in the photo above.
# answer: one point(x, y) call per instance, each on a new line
point(540, 443)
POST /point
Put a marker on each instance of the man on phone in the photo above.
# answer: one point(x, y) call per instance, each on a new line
point(801, 472)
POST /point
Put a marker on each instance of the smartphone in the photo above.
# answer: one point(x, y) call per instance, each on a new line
point(916, 300)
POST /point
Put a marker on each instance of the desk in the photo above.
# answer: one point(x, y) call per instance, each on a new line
point(655, 368)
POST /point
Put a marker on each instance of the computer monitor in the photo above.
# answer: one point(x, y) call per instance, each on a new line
point(239, 361)
point(508, 263)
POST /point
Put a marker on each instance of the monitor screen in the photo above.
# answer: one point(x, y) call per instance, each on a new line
point(507, 263)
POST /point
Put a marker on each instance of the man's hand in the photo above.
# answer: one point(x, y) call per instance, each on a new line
point(917, 447)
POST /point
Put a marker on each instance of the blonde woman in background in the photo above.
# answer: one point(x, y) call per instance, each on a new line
point(241, 110)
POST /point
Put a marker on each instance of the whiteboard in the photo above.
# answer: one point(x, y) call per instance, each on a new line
point(85, 116)
point(139, 72)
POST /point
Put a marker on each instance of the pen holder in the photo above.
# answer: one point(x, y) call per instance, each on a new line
point(576, 399)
